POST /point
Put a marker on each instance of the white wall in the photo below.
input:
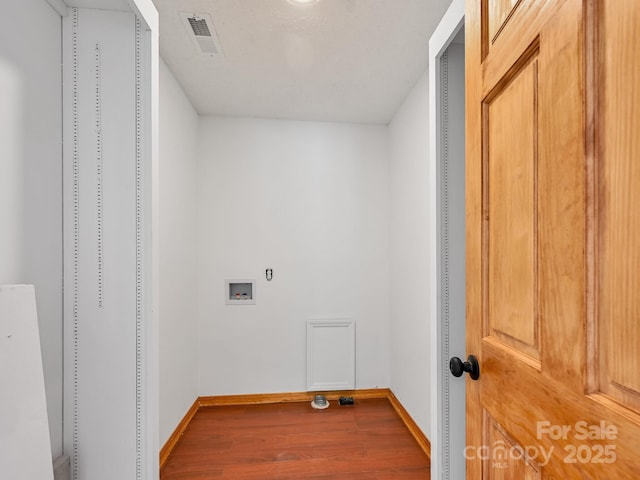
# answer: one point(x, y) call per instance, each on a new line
point(310, 201)
point(106, 221)
point(31, 176)
point(177, 313)
point(410, 238)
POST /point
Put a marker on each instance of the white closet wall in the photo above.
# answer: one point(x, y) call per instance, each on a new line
point(31, 176)
point(310, 201)
point(110, 352)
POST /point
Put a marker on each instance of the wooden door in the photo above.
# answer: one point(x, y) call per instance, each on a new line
point(553, 238)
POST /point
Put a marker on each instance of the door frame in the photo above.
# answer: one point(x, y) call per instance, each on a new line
point(452, 22)
point(149, 386)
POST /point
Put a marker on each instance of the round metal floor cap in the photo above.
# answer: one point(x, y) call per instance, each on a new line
point(319, 402)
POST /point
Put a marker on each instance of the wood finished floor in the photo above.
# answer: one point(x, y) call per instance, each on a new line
point(294, 441)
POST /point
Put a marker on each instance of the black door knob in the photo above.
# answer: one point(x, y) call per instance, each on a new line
point(471, 366)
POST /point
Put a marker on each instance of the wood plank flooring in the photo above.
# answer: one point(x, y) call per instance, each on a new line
point(294, 441)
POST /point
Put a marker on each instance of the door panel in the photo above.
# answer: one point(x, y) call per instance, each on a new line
point(619, 195)
point(511, 171)
point(553, 238)
point(562, 217)
point(510, 458)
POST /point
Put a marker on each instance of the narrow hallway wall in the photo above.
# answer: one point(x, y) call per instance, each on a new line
point(178, 260)
point(409, 321)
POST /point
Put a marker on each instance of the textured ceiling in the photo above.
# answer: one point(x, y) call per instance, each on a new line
point(333, 60)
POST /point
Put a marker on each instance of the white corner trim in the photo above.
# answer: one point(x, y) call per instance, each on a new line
point(59, 6)
point(147, 13)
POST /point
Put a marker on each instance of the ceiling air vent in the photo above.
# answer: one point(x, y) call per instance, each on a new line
point(200, 29)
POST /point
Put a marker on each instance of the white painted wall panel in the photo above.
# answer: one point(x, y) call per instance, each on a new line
point(310, 201)
point(31, 176)
point(178, 254)
point(100, 228)
point(410, 237)
point(25, 450)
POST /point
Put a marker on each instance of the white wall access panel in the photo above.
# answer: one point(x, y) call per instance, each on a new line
point(106, 228)
point(331, 354)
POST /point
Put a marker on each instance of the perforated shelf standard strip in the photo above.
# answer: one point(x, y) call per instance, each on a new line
point(444, 268)
point(139, 257)
point(76, 233)
point(99, 194)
